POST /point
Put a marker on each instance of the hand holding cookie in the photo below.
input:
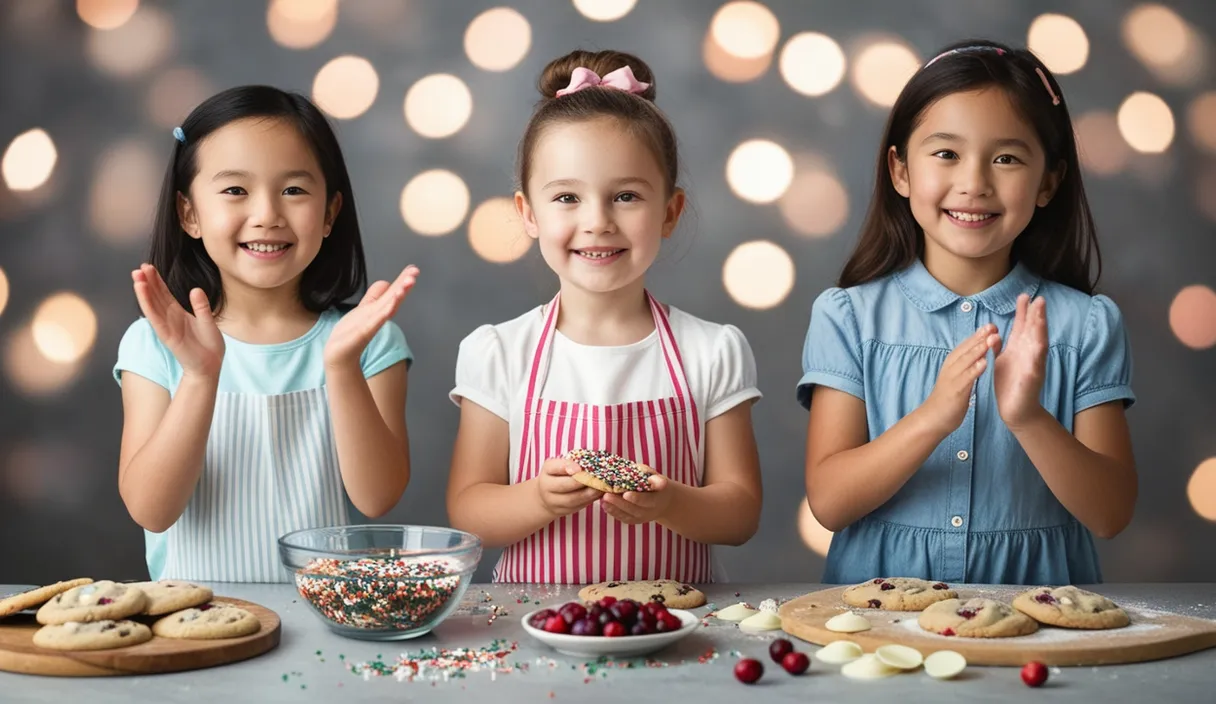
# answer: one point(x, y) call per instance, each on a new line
point(1017, 374)
point(560, 493)
point(640, 506)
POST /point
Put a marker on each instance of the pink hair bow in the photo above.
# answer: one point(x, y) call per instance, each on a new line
point(620, 79)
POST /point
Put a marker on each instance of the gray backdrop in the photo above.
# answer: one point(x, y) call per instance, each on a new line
point(60, 513)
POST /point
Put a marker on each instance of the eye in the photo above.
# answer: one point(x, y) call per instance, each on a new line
point(566, 199)
point(945, 154)
point(234, 191)
point(629, 197)
point(1008, 159)
point(294, 191)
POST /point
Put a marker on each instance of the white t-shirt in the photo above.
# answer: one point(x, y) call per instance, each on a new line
point(495, 360)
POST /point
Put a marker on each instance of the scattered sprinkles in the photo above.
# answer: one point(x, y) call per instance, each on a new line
point(373, 593)
point(614, 470)
point(442, 663)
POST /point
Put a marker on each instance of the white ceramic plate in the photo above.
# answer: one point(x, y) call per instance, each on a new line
point(620, 647)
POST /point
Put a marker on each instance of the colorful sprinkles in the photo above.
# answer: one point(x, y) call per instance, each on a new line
point(442, 663)
point(372, 593)
point(614, 470)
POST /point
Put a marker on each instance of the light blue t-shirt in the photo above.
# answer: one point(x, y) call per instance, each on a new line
point(261, 370)
point(977, 511)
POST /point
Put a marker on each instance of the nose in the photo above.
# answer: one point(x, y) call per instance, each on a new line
point(267, 212)
point(975, 179)
point(596, 218)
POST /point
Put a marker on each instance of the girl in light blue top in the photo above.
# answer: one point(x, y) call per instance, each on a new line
point(954, 434)
point(254, 402)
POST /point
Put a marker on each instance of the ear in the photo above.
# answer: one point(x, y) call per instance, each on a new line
point(188, 216)
point(675, 208)
point(331, 212)
point(526, 215)
point(899, 172)
point(1051, 183)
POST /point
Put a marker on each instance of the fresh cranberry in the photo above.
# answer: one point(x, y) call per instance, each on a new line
point(606, 618)
point(748, 670)
point(653, 607)
point(779, 648)
point(670, 620)
point(557, 624)
point(615, 629)
point(640, 629)
point(948, 632)
point(573, 612)
point(648, 618)
point(875, 604)
point(887, 586)
point(537, 621)
point(939, 586)
point(585, 627)
point(1034, 674)
point(967, 613)
point(795, 663)
point(1045, 598)
point(606, 601)
point(625, 611)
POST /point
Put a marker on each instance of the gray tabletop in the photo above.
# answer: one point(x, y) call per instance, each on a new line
point(314, 665)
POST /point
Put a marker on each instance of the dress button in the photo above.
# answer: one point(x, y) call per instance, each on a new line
point(956, 521)
point(963, 455)
point(966, 306)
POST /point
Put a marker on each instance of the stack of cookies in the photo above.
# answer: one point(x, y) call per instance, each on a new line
point(85, 615)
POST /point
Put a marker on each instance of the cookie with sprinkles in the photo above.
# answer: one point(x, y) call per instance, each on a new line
point(609, 473)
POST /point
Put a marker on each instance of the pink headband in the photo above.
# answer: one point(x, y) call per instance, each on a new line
point(1055, 99)
point(620, 79)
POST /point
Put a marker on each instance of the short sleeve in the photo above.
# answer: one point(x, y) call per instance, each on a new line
point(141, 352)
point(732, 373)
point(387, 348)
point(1105, 369)
point(481, 372)
point(831, 354)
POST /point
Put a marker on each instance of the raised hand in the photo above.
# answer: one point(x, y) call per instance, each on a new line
point(357, 328)
point(559, 493)
point(1017, 375)
point(194, 340)
point(947, 403)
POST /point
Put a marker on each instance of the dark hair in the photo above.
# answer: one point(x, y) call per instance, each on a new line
point(1060, 242)
point(637, 112)
point(337, 273)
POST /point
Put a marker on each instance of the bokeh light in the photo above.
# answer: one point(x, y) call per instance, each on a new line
point(813, 534)
point(346, 87)
point(882, 69)
point(30, 372)
point(64, 327)
point(1060, 43)
point(3, 291)
point(1205, 192)
point(123, 195)
point(496, 233)
point(732, 69)
point(438, 106)
point(745, 29)
point(1201, 489)
point(29, 160)
point(759, 171)
point(1201, 119)
point(758, 274)
point(174, 93)
point(812, 63)
point(141, 43)
point(1102, 148)
point(434, 202)
point(1146, 123)
point(604, 10)
point(301, 24)
point(498, 39)
point(1193, 317)
point(816, 203)
point(1157, 36)
point(106, 14)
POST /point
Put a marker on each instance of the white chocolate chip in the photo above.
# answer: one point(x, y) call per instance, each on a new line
point(1065, 600)
point(738, 612)
point(867, 667)
point(763, 621)
point(839, 652)
point(901, 657)
point(945, 664)
point(848, 622)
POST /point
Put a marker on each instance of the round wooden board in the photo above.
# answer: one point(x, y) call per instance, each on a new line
point(1152, 635)
point(19, 654)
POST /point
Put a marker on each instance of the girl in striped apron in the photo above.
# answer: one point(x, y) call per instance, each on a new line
point(253, 405)
point(603, 366)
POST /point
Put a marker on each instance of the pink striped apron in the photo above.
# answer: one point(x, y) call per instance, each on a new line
point(591, 546)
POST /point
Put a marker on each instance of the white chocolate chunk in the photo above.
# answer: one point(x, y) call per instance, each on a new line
point(900, 657)
point(738, 612)
point(763, 621)
point(945, 664)
point(867, 667)
point(839, 652)
point(848, 622)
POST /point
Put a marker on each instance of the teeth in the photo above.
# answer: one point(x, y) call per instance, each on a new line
point(599, 255)
point(969, 217)
point(258, 247)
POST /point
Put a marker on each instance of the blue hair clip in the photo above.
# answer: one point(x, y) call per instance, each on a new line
point(179, 135)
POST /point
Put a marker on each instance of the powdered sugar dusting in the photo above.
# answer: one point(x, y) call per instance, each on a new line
point(1142, 622)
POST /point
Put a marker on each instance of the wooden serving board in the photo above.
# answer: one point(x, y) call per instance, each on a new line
point(1152, 635)
point(19, 654)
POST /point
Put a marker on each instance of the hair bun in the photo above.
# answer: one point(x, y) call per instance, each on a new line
point(557, 73)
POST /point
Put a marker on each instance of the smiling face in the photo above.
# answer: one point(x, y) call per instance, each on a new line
point(596, 202)
point(258, 204)
point(974, 174)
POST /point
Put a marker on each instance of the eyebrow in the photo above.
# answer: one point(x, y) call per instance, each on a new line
point(298, 173)
point(566, 182)
point(949, 137)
